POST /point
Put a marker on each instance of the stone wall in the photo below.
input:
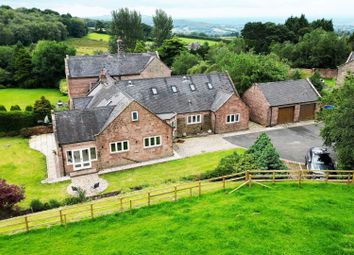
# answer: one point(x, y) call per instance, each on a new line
point(233, 105)
point(343, 70)
point(184, 129)
point(123, 128)
point(258, 105)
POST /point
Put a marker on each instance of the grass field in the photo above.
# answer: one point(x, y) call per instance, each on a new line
point(201, 41)
point(90, 44)
point(24, 97)
point(23, 166)
point(287, 219)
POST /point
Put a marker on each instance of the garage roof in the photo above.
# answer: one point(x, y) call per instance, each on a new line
point(289, 92)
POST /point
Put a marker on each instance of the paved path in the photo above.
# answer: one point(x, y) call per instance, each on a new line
point(46, 145)
point(292, 143)
point(86, 183)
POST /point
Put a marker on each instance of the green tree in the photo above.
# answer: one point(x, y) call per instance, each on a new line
point(2, 108)
point(183, 62)
point(140, 47)
point(265, 155)
point(22, 66)
point(15, 108)
point(127, 26)
point(170, 49)
point(338, 128)
point(316, 81)
point(199, 68)
point(298, 25)
point(42, 108)
point(162, 28)
point(296, 74)
point(99, 26)
point(325, 24)
point(76, 27)
point(48, 61)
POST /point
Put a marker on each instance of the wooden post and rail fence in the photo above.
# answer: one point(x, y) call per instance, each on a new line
point(121, 203)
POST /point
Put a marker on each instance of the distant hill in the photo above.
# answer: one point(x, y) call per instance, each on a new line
point(222, 26)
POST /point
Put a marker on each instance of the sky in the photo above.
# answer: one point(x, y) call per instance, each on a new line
point(198, 9)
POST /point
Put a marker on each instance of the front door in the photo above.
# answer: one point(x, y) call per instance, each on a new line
point(81, 159)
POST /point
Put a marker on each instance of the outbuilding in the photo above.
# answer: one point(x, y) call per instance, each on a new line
point(280, 102)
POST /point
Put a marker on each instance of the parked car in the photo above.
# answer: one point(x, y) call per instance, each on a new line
point(318, 159)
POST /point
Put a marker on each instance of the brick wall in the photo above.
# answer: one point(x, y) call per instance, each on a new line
point(122, 128)
point(78, 87)
point(258, 105)
point(232, 106)
point(343, 71)
point(193, 129)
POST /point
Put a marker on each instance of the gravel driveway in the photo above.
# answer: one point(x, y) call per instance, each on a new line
point(292, 143)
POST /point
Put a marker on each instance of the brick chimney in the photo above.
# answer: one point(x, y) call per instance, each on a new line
point(102, 76)
point(119, 46)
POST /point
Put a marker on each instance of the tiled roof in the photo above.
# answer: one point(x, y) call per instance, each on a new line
point(288, 92)
point(115, 64)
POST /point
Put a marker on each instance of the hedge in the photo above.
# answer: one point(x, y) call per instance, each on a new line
point(16, 120)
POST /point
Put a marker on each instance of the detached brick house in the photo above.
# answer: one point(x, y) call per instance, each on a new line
point(344, 69)
point(82, 71)
point(130, 121)
point(281, 102)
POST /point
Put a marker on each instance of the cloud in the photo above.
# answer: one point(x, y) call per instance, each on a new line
point(199, 9)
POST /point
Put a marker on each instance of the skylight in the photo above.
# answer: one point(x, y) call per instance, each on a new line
point(192, 86)
point(174, 89)
point(154, 91)
point(210, 86)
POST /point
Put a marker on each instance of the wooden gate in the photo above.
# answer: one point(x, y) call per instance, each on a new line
point(286, 115)
point(307, 112)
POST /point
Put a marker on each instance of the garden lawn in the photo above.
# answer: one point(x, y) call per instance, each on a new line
point(286, 219)
point(90, 44)
point(23, 166)
point(24, 97)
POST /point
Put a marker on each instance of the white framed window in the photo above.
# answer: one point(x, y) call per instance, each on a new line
point(154, 91)
point(194, 119)
point(210, 86)
point(233, 118)
point(192, 86)
point(118, 147)
point(81, 158)
point(152, 141)
point(174, 89)
point(135, 116)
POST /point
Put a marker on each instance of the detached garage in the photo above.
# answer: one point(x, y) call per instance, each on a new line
point(281, 102)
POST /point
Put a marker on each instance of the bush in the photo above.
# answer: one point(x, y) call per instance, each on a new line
point(16, 120)
point(36, 205)
point(2, 108)
point(54, 203)
point(3, 86)
point(29, 108)
point(316, 81)
point(71, 201)
point(15, 108)
point(42, 108)
point(9, 195)
point(63, 87)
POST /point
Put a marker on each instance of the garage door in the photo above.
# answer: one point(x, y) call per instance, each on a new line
point(286, 115)
point(307, 111)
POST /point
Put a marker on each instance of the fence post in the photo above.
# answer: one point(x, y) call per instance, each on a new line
point(300, 177)
point(327, 177)
point(223, 183)
point(26, 224)
point(91, 209)
point(175, 193)
point(121, 204)
point(200, 188)
point(149, 198)
point(130, 205)
point(65, 219)
point(273, 177)
point(61, 217)
point(249, 179)
point(190, 191)
point(349, 178)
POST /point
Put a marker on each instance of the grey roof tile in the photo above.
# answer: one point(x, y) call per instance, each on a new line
point(122, 64)
point(80, 103)
point(288, 92)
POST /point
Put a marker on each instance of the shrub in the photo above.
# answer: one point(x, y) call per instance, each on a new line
point(63, 87)
point(2, 108)
point(15, 108)
point(316, 81)
point(16, 120)
point(3, 86)
point(231, 164)
point(42, 108)
point(10, 195)
point(71, 201)
point(54, 203)
point(36, 205)
point(29, 108)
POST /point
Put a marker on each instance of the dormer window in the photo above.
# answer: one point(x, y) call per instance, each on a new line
point(135, 116)
point(154, 91)
point(174, 89)
point(210, 86)
point(109, 102)
point(192, 86)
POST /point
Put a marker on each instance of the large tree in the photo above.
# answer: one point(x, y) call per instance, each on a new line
point(10, 195)
point(48, 61)
point(170, 49)
point(162, 28)
point(22, 67)
point(127, 26)
point(339, 123)
point(183, 62)
point(298, 25)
